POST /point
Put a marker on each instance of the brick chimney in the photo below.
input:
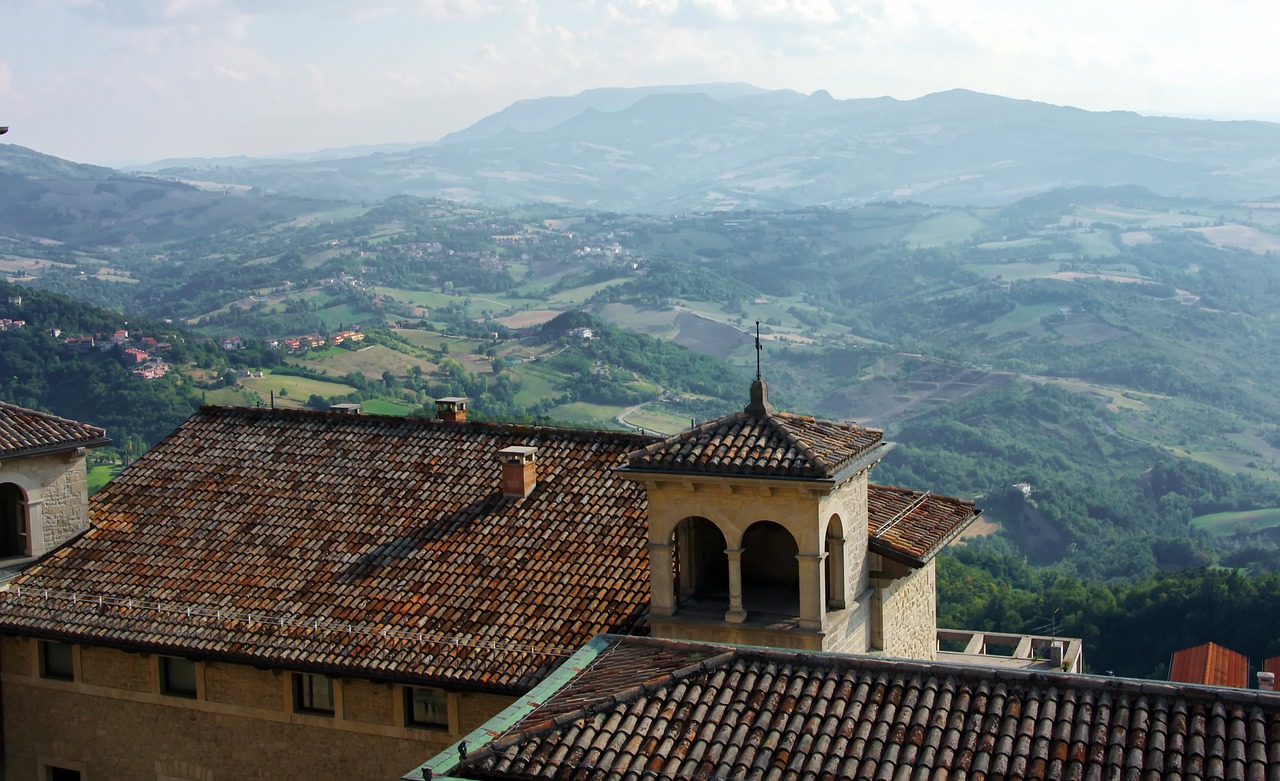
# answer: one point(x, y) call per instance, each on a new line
point(519, 470)
point(452, 408)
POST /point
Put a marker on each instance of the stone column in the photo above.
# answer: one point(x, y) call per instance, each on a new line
point(736, 614)
point(662, 600)
point(812, 590)
point(838, 583)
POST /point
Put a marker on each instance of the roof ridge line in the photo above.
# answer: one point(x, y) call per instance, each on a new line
point(795, 440)
point(706, 425)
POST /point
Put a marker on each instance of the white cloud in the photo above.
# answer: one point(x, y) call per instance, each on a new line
point(407, 79)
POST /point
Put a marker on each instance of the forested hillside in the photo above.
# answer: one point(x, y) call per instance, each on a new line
point(1093, 366)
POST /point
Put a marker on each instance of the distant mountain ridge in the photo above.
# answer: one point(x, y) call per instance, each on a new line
point(734, 146)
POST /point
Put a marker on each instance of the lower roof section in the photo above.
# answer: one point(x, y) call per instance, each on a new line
point(632, 708)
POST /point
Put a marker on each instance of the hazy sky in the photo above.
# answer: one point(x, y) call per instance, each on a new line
point(120, 81)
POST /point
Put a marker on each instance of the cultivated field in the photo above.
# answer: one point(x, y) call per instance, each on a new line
point(297, 389)
point(1231, 523)
point(369, 361)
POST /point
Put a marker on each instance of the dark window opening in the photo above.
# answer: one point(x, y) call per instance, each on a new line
point(57, 661)
point(702, 569)
point(13, 522)
point(770, 570)
point(426, 707)
point(177, 677)
point(312, 693)
point(52, 773)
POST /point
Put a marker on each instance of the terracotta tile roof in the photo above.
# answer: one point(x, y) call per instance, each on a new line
point(25, 432)
point(774, 444)
point(760, 714)
point(912, 526)
point(1210, 664)
point(351, 543)
point(1272, 665)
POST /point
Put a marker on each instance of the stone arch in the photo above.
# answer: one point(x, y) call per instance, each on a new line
point(834, 568)
point(770, 569)
point(15, 522)
point(701, 567)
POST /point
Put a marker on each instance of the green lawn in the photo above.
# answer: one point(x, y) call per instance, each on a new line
point(1230, 523)
point(1022, 318)
point(386, 407)
point(101, 475)
point(1097, 245)
point(580, 413)
point(657, 421)
point(1017, 270)
point(951, 226)
point(538, 381)
point(229, 397)
point(297, 389)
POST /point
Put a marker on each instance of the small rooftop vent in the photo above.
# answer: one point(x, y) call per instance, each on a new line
point(519, 470)
point(452, 408)
point(1266, 681)
point(345, 409)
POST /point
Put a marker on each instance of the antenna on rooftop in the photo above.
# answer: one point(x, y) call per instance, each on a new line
point(757, 350)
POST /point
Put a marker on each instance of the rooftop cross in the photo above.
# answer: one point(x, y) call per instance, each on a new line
point(757, 350)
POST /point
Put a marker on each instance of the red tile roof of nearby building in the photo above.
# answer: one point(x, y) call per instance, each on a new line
point(351, 543)
point(636, 708)
point(912, 526)
point(1210, 664)
point(377, 546)
point(26, 432)
point(761, 442)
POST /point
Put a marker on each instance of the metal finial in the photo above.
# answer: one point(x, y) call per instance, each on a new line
point(758, 350)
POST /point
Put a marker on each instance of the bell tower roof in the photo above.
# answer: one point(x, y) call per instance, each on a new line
point(762, 442)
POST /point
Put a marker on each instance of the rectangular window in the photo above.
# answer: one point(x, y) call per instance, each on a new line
point(426, 707)
point(177, 677)
point(52, 773)
point(312, 693)
point(57, 661)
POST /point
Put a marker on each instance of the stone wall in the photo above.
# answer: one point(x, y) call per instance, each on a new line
point(908, 611)
point(57, 496)
point(112, 723)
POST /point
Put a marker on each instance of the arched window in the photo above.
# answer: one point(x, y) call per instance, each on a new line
point(702, 569)
point(834, 566)
point(770, 570)
point(14, 527)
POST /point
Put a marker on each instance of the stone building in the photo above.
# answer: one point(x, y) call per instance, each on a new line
point(43, 497)
point(281, 594)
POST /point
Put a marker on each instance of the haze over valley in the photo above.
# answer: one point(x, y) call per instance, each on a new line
point(1066, 315)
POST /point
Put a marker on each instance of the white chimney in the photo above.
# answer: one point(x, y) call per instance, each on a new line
point(1266, 681)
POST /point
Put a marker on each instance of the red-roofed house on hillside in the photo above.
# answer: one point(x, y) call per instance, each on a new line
point(280, 593)
point(1210, 664)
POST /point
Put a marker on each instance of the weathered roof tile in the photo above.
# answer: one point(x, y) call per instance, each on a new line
point(353, 543)
point(25, 432)
point(1000, 721)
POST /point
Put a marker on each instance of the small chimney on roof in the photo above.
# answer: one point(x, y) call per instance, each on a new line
point(345, 409)
point(452, 408)
point(519, 470)
point(1266, 681)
